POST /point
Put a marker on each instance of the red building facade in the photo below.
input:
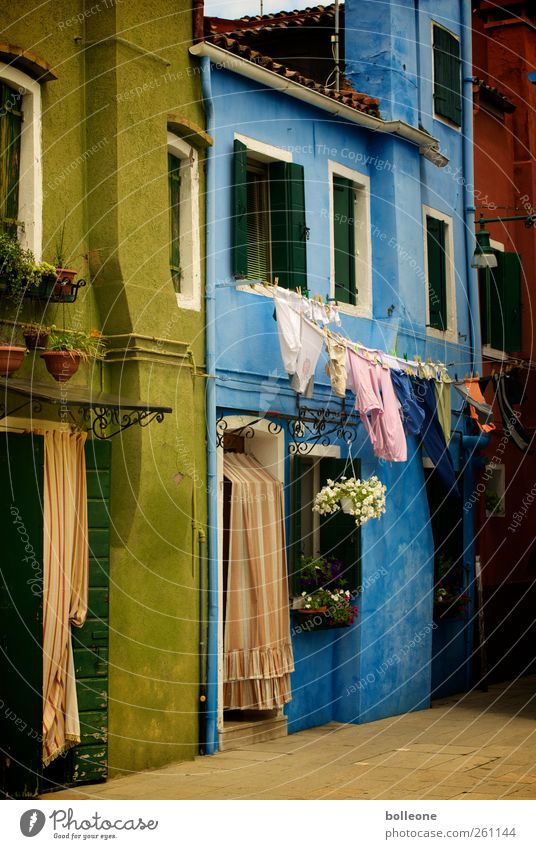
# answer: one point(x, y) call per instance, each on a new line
point(504, 56)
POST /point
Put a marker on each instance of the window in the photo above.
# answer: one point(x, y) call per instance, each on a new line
point(184, 243)
point(495, 490)
point(500, 303)
point(334, 535)
point(351, 281)
point(441, 292)
point(10, 138)
point(268, 219)
point(447, 75)
point(437, 272)
point(21, 190)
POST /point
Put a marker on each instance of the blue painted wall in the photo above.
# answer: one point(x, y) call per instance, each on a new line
point(382, 665)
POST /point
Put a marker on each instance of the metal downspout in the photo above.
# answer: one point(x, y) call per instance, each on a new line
point(468, 185)
point(211, 741)
point(470, 444)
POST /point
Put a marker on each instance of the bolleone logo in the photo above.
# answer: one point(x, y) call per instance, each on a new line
point(32, 822)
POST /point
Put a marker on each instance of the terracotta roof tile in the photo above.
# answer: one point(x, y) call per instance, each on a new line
point(239, 37)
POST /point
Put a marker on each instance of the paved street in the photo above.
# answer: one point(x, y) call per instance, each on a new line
point(478, 746)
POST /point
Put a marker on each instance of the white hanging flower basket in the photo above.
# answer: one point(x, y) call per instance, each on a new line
point(363, 500)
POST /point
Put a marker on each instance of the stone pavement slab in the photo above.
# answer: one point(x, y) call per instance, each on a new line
point(475, 746)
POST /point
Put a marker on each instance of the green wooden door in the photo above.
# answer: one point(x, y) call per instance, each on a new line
point(21, 609)
point(90, 643)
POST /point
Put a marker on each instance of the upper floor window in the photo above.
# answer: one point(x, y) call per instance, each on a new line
point(269, 226)
point(447, 75)
point(350, 225)
point(21, 190)
point(10, 133)
point(184, 242)
point(441, 295)
point(500, 303)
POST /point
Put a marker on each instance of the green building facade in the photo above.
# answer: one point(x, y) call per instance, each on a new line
point(111, 171)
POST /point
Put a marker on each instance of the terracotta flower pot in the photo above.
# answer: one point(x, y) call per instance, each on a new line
point(36, 340)
point(11, 359)
point(61, 364)
point(65, 275)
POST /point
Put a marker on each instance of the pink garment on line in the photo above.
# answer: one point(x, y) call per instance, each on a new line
point(361, 380)
point(375, 394)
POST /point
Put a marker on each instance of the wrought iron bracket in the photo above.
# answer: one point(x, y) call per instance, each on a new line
point(98, 420)
point(309, 427)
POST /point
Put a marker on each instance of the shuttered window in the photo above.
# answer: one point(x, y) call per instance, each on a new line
point(269, 229)
point(437, 272)
point(340, 538)
point(10, 132)
point(447, 76)
point(500, 303)
point(174, 181)
point(344, 239)
point(258, 226)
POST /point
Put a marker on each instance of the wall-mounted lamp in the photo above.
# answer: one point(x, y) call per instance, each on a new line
point(484, 255)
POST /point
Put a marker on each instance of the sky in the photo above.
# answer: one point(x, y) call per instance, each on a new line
point(239, 8)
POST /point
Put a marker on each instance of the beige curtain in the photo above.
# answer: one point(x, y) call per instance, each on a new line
point(66, 568)
point(257, 648)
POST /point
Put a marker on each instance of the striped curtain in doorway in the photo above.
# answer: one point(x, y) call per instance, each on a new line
point(257, 647)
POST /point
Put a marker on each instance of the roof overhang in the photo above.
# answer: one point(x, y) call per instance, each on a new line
point(102, 413)
point(427, 144)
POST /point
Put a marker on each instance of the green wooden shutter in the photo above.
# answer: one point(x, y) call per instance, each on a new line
point(437, 273)
point(240, 209)
point(21, 613)
point(339, 535)
point(288, 224)
point(505, 302)
point(10, 132)
point(174, 181)
point(512, 301)
point(295, 526)
point(484, 284)
point(90, 643)
point(447, 75)
point(344, 240)
point(258, 227)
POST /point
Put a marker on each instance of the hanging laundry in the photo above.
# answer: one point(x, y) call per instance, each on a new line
point(367, 401)
point(479, 410)
point(336, 366)
point(509, 416)
point(413, 414)
point(288, 326)
point(394, 439)
point(432, 435)
point(311, 344)
point(444, 406)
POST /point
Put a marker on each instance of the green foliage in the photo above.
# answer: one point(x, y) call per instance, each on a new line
point(88, 345)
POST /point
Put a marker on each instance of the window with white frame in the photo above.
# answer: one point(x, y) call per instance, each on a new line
point(440, 278)
point(268, 214)
point(21, 190)
point(184, 242)
point(351, 270)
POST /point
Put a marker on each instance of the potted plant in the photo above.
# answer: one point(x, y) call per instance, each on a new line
point(451, 598)
point(66, 350)
point(11, 355)
point(363, 500)
point(64, 275)
point(326, 608)
point(35, 335)
point(324, 602)
point(16, 268)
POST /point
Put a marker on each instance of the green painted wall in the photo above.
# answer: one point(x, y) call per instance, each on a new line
point(114, 199)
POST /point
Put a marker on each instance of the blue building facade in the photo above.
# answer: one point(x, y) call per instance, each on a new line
point(404, 167)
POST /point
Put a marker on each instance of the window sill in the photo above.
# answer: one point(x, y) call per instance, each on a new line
point(447, 122)
point(356, 311)
point(442, 335)
point(494, 353)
